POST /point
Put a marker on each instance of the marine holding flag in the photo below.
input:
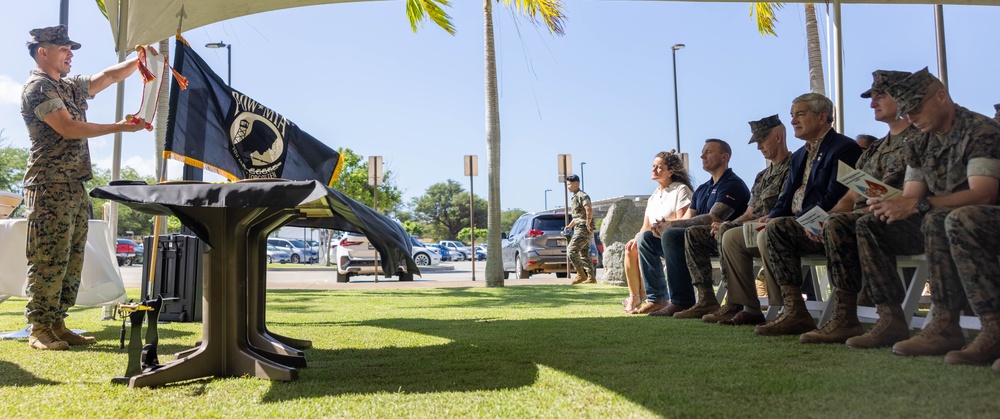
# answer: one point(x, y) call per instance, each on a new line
point(57, 206)
point(219, 129)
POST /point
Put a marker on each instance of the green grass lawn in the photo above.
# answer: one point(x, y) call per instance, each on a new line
point(525, 351)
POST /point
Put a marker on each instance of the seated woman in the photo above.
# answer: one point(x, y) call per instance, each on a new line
point(669, 201)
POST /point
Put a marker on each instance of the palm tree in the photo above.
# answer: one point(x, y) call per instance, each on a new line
point(551, 13)
point(766, 21)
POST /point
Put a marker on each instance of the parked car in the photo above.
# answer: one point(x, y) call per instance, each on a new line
point(125, 252)
point(446, 254)
point(464, 252)
point(299, 251)
point(356, 256)
point(277, 255)
point(535, 245)
point(480, 253)
point(600, 250)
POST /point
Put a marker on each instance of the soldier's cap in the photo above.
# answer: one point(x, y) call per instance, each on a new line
point(881, 79)
point(761, 128)
point(910, 92)
point(572, 178)
point(56, 35)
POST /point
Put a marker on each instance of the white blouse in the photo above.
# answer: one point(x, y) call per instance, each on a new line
point(665, 202)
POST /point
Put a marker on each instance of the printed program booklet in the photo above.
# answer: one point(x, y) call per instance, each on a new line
point(813, 220)
point(863, 183)
point(750, 231)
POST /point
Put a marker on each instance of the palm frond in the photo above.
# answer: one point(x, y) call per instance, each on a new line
point(765, 16)
point(104, 9)
point(419, 10)
point(551, 12)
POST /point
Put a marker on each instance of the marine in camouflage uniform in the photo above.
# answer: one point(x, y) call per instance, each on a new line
point(56, 202)
point(700, 243)
point(583, 231)
point(955, 163)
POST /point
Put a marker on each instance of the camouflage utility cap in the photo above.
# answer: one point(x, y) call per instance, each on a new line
point(910, 92)
point(56, 35)
point(882, 79)
point(761, 128)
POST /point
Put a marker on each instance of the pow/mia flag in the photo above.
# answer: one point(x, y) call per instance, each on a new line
point(219, 129)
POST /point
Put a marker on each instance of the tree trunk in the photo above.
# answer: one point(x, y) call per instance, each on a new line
point(816, 84)
point(494, 263)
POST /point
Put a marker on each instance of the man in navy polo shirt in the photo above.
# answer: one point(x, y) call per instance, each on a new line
point(722, 198)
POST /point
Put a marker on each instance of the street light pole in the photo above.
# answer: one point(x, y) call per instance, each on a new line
point(229, 59)
point(581, 175)
point(547, 198)
point(677, 114)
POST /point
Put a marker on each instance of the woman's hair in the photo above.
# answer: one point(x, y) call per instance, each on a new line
point(673, 162)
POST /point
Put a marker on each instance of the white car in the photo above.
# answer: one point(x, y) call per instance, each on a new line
point(356, 256)
point(464, 252)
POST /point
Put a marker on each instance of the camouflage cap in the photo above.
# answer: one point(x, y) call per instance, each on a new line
point(56, 35)
point(910, 92)
point(882, 79)
point(761, 128)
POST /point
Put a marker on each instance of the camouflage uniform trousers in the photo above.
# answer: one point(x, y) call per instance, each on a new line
point(579, 251)
point(974, 234)
point(699, 247)
point(878, 245)
point(786, 241)
point(56, 239)
point(946, 285)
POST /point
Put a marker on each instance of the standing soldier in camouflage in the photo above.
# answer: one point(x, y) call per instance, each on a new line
point(56, 203)
point(812, 182)
point(953, 164)
point(701, 242)
point(583, 232)
point(885, 160)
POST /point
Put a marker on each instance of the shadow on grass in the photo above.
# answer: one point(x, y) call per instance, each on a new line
point(668, 366)
point(14, 376)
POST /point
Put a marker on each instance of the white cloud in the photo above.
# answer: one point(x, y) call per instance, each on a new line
point(10, 91)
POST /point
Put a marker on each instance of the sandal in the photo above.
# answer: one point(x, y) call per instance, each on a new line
point(631, 303)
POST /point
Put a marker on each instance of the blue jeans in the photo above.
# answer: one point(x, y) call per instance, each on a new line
point(670, 246)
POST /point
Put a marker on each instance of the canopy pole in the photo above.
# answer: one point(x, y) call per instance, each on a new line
point(941, 53)
point(838, 67)
point(119, 110)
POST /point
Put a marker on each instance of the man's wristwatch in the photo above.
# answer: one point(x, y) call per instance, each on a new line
point(923, 206)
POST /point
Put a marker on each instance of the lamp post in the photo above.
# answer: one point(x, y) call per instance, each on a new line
point(229, 60)
point(547, 198)
point(677, 114)
point(581, 175)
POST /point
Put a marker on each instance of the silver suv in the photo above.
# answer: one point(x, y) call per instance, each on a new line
point(356, 256)
point(536, 245)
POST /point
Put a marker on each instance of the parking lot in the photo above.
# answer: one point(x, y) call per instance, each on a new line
point(447, 274)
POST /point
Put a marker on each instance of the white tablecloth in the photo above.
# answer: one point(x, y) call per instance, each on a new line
point(101, 282)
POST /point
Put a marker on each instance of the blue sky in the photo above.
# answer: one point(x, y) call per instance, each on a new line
point(354, 75)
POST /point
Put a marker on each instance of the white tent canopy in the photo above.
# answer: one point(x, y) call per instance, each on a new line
point(149, 21)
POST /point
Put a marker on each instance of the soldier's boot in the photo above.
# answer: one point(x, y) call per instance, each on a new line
point(794, 320)
point(890, 328)
point(942, 335)
point(725, 312)
point(63, 333)
point(985, 348)
point(591, 278)
point(581, 277)
point(707, 303)
point(41, 337)
point(842, 326)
